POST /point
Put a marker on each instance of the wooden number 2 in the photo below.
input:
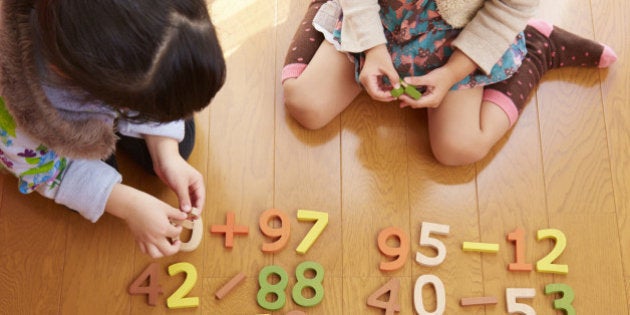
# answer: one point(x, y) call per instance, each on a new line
point(546, 264)
point(178, 299)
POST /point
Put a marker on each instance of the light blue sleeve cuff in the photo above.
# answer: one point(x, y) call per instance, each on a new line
point(86, 186)
point(174, 129)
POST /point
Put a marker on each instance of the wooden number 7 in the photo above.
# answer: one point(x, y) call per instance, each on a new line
point(321, 221)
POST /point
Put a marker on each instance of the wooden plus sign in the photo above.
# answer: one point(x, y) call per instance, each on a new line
point(229, 229)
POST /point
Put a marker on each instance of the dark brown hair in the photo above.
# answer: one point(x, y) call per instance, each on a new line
point(160, 58)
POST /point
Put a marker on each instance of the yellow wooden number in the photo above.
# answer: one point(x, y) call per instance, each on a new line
point(178, 299)
point(546, 263)
point(321, 221)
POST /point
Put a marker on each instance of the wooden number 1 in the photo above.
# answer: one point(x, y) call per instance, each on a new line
point(518, 237)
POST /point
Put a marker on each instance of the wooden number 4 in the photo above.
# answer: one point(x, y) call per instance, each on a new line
point(390, 306)
point(150, 276)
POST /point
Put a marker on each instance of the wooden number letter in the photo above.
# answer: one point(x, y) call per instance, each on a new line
point(399, 253)
point(511, 294)
point(178, 299)
point(153, 288)
point(390, 306)
point(563, 303)
point(440, 295)
point(546, 263)
point(321, 221)
point(281, 234)
point(518, 237)
point(196, 228)
point(427, 240)
point(314, 283)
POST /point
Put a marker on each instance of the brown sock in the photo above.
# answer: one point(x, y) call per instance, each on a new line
point(305, 43)
point(548, 47)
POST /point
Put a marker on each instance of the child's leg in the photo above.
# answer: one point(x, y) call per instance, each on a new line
point(463, 129)
point(548, 47)
point(323, 90)
point(304, 44)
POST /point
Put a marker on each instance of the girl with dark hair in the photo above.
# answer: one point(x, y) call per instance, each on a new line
point(77, 77)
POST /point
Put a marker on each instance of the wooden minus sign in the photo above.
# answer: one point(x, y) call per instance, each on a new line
point(483, 300)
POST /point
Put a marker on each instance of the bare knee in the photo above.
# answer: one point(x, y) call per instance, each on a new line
point(458, 151)
point(306, 110)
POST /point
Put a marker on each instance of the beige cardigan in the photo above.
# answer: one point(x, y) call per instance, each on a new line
point(489, 26)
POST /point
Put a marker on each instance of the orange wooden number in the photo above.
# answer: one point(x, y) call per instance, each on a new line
point(280, 234)
point(518, 237)
point(400, 253)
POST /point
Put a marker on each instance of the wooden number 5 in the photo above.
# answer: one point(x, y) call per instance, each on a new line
point(427, 240)
point(513, 307)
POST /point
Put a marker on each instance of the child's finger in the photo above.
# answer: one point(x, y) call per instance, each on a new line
point(175, 214)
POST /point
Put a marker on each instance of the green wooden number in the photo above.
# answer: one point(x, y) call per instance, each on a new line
point(314, 283)
point(563, 303)
point(267, 288)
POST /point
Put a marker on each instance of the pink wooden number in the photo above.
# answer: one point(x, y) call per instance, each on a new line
point(390, 306)
point(150, 275)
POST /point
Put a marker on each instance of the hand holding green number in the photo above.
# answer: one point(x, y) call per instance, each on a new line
point(408, 89)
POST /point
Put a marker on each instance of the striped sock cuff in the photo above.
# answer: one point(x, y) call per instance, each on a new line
point(292, 70)
point(504, 102)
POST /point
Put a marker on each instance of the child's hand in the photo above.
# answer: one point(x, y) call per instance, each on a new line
point(148, 218)
point(185, 181)
point(174, 171)
point(437, 83)
point(378, 63)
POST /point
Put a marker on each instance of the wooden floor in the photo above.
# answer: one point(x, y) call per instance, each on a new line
point(566, 166)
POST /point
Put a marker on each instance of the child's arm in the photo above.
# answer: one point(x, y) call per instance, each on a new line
point(148, 218)
point(181, 177)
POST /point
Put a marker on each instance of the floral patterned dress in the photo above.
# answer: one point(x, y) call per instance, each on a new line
point(419, 41)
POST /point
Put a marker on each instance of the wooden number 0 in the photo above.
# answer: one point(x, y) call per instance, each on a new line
point(196, 228)
point(440, 295)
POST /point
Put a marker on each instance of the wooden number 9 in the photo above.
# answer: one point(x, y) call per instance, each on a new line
point(400, 253)
point(281, 234)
